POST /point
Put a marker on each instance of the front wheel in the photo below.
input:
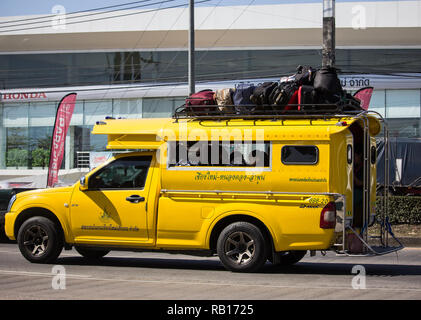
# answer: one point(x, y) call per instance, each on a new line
point(241, 247)
point(39, 240)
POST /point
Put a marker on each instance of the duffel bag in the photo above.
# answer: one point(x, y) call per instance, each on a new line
point(327, 83)
point(283, 95)
point(204, 97)
point(196, 102)
point(307, 98)
point(242, 98)
point(304, 76)
point(223, 98)
point(262, 93)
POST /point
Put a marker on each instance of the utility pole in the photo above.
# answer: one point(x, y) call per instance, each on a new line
point(328, 49)
point(191, 62)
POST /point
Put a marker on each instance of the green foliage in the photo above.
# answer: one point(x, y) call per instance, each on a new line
point(40, 157)
point(402, 209)
point(17, 158)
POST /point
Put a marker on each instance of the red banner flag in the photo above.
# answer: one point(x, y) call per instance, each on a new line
point(364, 95)
point(63, 117)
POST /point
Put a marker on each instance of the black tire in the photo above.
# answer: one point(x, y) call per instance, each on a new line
point(241, 247)
point(40, 240)
point(288, 258)
point(91, 253)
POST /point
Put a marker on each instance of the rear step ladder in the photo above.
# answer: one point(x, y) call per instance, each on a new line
point(385, 229)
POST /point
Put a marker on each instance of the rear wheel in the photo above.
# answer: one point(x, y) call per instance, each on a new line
point(241, 247)
point(39, 240)
point(91, 253)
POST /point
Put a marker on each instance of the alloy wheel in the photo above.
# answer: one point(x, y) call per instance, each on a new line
point(240, 247)
point(36, 240)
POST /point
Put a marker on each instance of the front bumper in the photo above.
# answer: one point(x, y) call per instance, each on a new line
point(5, 227)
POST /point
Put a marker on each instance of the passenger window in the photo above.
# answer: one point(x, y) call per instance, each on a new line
point(219, 154)
point(123, 173)
point(299, 155)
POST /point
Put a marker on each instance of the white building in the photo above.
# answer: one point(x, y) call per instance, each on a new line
point(134, 64)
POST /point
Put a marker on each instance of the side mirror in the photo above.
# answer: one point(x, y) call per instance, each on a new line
point(83, 186)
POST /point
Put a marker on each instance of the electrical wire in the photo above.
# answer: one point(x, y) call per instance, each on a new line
point(115, 76)
point(258, 72)
point(48, 18)
point(240, 75)
point(226, 30)
point(170, 81)
point(140, 38)
point(112, 17)
point(93, 14)
point(185, 45)
point(368, 69)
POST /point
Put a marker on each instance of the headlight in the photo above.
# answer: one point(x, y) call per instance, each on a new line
point(12, 200)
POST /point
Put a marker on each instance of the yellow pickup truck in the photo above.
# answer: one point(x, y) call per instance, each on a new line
point(248, 190)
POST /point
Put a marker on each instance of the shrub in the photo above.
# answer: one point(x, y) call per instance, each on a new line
point(17, 158)
point(40, 157)
point(402, 209)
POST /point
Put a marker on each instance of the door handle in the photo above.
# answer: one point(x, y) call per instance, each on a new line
point(135, 198)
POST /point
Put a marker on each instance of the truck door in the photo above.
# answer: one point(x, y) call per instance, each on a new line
point(364, 175)
point(114, 208)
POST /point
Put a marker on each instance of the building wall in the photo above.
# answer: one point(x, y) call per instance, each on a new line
point(135, 65)
point(359, 23)
point(26, 127)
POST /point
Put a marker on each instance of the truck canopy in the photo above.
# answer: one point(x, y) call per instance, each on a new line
point(152, 133)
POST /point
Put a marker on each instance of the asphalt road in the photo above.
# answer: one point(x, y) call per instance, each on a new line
point(159, 276)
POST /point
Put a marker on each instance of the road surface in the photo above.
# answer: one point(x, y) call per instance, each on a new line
point(160, 276)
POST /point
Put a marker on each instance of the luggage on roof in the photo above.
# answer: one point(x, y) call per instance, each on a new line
point(307, 91)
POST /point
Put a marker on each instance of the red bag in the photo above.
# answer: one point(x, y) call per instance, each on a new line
point(196, 101)
point(294, 101)
point(204, 97)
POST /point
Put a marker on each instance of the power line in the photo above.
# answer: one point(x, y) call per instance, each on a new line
point(166, 34)
point(185, 44)
point(226, 30)
point(209, 63)
point(115, 76)
point(71, 13)
point(233, 75)
point(384, 67)
point(261, 72)
point(82, 16)
point(137, 42)
point(172, 81)
point(113, 17)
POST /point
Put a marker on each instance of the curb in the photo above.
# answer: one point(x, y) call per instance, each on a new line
point(410, 242)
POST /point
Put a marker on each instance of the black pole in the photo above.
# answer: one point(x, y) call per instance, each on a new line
point(328, 49)
point(192, 88)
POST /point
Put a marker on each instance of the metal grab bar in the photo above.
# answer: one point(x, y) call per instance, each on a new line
point(385, 228)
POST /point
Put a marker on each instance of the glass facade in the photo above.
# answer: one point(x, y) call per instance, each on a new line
point(101, 68)
point(26, 128)
point(402, 110)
